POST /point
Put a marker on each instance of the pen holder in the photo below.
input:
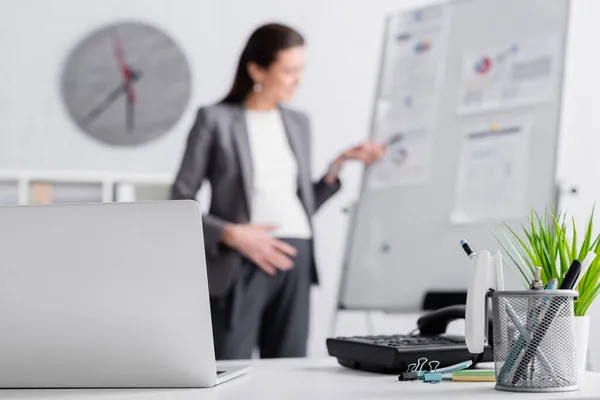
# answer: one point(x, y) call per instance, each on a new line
point(534, 340)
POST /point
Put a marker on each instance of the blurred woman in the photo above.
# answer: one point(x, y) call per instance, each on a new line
point(256, 153)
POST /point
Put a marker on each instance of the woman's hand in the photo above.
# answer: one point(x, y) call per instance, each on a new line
point(367, 153)
point(253, 242)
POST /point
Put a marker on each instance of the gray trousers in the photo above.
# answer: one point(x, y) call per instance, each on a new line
point(268, 312)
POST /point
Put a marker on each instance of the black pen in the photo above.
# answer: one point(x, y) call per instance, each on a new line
point(571, 276)
point(540, 331)
point(467, 249)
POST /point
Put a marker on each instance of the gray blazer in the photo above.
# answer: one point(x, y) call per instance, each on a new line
point(218, 150)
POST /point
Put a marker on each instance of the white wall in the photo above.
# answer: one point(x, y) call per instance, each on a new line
point(36, 36)
point(580, 129)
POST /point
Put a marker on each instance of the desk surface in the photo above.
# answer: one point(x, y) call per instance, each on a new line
point(310, 379)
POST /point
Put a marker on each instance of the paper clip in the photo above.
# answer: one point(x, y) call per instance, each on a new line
point(435, 375)
point(411, 373)
point(433, 369)
point(420, 365)
point(432, 377)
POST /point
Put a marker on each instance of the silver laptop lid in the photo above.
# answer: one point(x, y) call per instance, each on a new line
point(104, 295)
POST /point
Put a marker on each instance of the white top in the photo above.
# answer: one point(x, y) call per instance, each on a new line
point(275, 199)
point(301, 379)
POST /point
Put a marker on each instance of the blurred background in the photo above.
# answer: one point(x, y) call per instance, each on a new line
point(48, 49)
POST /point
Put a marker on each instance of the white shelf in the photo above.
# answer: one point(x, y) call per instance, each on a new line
point(39, 187)
point(9, 193)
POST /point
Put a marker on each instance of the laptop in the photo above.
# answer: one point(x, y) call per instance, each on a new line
point(105, 295)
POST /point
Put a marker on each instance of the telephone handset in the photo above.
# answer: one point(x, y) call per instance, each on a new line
point(436, 322)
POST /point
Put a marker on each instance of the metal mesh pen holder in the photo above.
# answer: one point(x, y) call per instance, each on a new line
point(534, 340)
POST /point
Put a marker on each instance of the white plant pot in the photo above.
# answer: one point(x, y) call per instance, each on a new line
point(582, 338)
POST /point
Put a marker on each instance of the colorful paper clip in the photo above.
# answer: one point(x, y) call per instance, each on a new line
point(436, 375)
point(432, 377)
point(431, 369)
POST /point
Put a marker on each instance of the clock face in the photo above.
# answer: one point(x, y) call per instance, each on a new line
point(126, 84)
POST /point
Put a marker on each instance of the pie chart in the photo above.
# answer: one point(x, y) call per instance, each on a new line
point(483, 66)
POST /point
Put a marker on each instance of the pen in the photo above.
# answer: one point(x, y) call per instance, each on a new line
point(567, 284)
point(550, 285)
point(534, 307)
point(571, 276)
point(513, 357)
point(521, 342)
point(467, 249)
point(395, 139)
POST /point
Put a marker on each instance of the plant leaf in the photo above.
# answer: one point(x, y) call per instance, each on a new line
point(563, 245)
point(544, 242)
point(594, 268)
point(529, 253)
point(574, 247)
point(587, 301)
point(594, 245)
point(545, 247)
point(534, 259)
point(592, 275)
point(520, 266)
point(585, 247)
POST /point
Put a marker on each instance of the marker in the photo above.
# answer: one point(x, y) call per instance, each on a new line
point(467, 249)
point(453, 368)
point(551, 285)
point(395, 139)
point(571, 276)
point(542, 328)
point(474, 375)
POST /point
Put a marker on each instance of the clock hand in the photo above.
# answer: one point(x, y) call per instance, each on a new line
point(130, 116)
point(126, 72)
point(103, 106)
point(130, 109)
point(108, 100)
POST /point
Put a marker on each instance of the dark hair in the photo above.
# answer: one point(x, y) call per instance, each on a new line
point(262, 48)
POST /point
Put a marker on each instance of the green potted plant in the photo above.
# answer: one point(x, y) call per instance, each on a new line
point(547, 241)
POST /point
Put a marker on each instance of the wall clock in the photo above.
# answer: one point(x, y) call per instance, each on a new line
point(126, 84)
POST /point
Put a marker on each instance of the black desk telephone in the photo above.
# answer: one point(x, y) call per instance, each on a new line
point(393, 353)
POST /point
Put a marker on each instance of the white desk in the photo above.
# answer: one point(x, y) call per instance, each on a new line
point(311, 380)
